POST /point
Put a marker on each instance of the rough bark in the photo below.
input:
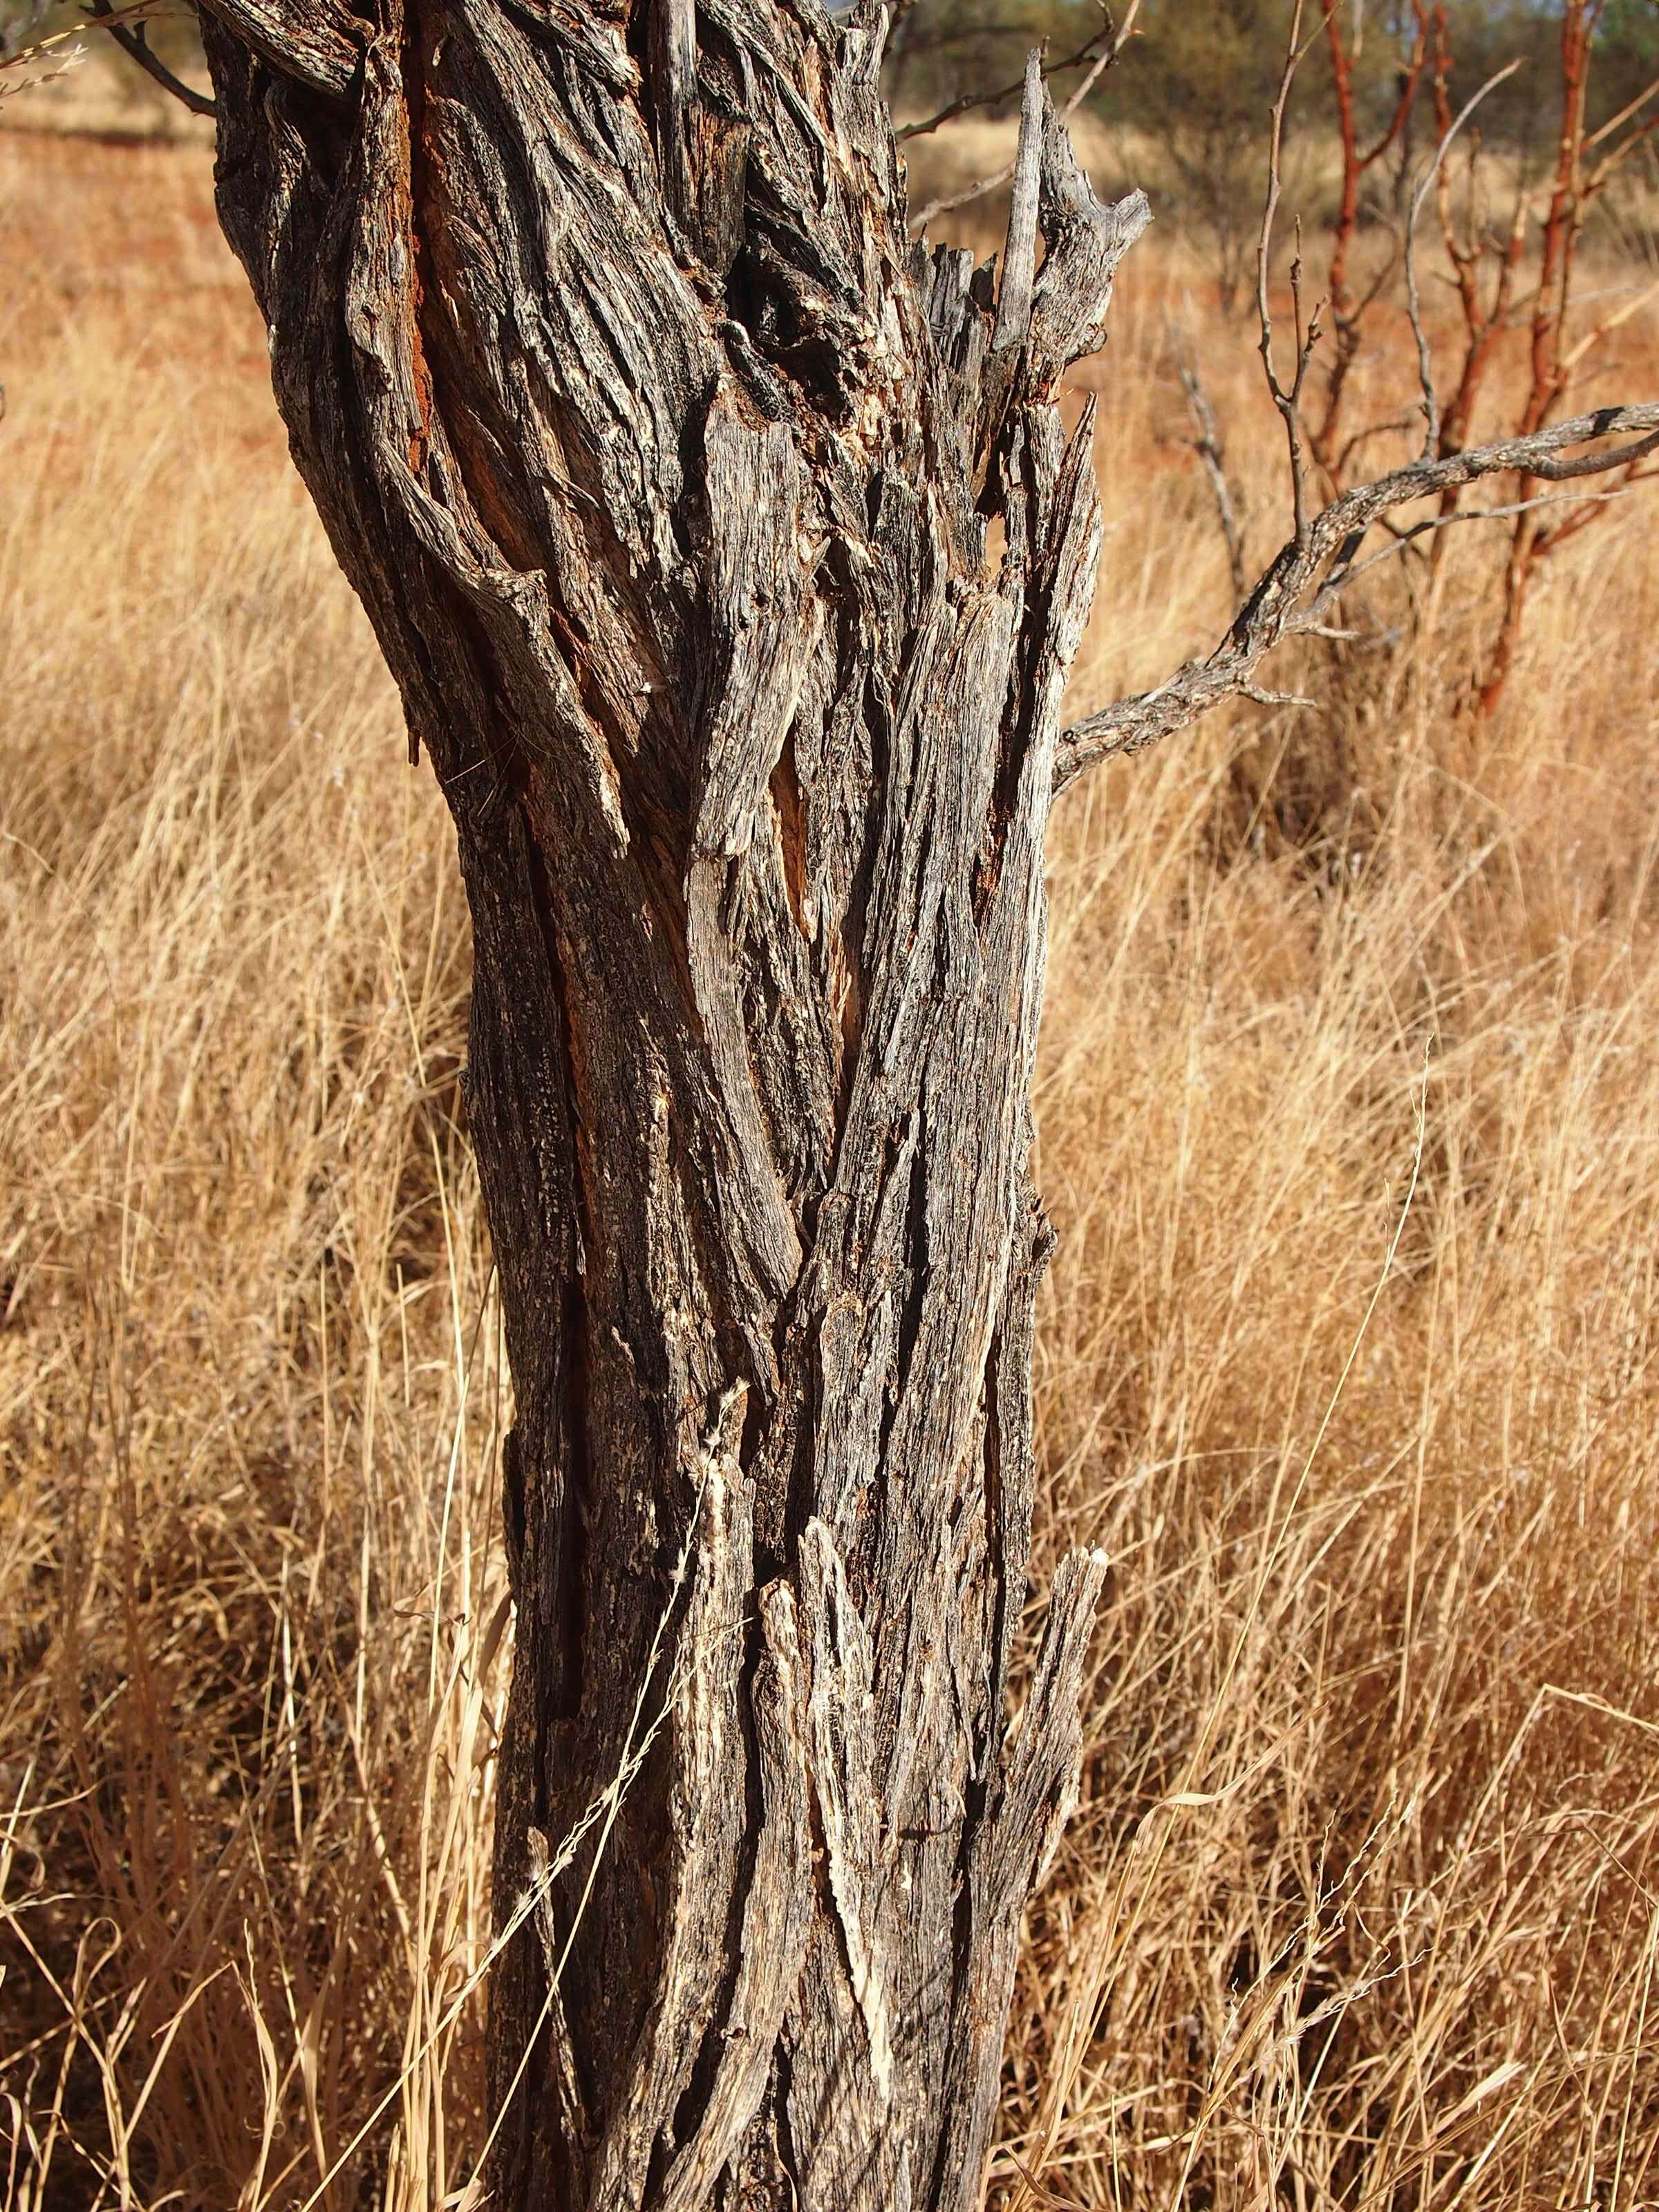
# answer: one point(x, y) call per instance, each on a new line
point(731, 556)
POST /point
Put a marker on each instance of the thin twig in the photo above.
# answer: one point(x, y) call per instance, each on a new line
point(1287, 398)
point(1592, 465)
point(951, 201)
point(1261, 698)
point(970, 100)
point(1211, 451)
point(1363, 437)
point(1403, 538)
point(1349, 314)
point(1413, 305)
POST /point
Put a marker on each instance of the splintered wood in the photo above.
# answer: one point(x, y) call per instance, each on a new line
point(730, 558)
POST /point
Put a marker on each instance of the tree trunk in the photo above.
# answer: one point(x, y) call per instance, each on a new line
point(731, 556)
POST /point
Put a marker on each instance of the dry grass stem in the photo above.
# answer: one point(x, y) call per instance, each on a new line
point(1361, 1908)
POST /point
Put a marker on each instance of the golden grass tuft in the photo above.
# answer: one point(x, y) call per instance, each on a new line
point(1362, 1905)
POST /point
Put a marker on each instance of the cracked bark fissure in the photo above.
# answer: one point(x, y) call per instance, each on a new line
point(666, 469)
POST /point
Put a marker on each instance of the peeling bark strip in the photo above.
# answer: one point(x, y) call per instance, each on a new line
point(665, 467)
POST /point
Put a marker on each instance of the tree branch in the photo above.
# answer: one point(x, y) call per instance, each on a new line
point(1432, 420)
point(1087, 51)
point(1212, 453)
point(1309, 573)
point(1287, 400)
point(136, 42)
point(982, 186)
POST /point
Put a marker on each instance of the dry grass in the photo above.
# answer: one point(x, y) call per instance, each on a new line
point(1363, 1903)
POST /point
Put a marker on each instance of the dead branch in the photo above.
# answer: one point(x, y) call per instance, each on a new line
point(1348, 314)
point(1088, 51)
point(1286, 398)
point(134, 40)
point(1207, 444)
point(1414, 302)
point(1309, 574)
point(951, 201)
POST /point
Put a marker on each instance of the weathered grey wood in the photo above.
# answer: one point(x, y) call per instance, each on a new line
point(316, 41)
point(665, 468)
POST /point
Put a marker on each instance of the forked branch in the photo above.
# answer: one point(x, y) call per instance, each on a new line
point(1297, 591)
